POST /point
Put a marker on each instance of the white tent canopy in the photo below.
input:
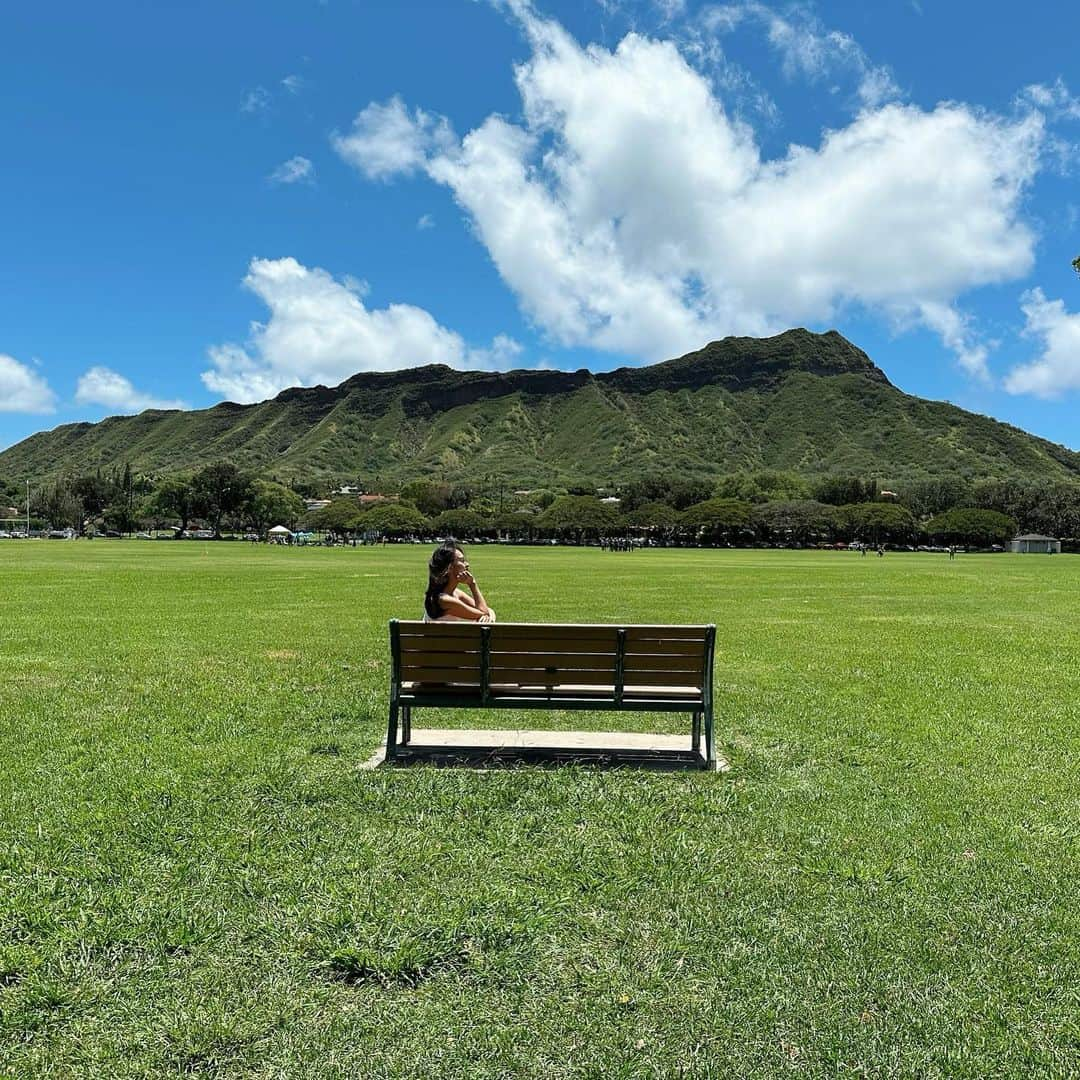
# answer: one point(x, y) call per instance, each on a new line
point(280, 530)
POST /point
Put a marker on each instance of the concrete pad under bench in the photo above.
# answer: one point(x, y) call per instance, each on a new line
point(472, 746)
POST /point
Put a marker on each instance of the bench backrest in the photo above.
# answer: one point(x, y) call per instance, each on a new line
point(483, 656)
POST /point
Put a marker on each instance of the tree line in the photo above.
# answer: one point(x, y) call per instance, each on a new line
point(764, 506)
point(744, 509)
point(717, 521)
point(219, 496)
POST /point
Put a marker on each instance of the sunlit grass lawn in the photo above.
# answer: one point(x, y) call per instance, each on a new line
point(196, 876)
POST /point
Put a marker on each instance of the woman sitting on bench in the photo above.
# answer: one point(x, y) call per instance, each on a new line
point(443, 601)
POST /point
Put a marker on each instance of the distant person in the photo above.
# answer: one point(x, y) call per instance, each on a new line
point(444, 601)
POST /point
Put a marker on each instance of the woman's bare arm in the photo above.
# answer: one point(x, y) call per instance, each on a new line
point(459, 605)
point(477, 596)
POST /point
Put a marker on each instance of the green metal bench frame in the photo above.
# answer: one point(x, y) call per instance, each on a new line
point(405, 696)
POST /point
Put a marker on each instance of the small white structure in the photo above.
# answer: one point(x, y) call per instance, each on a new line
point(279, 532)
point(1034, 544)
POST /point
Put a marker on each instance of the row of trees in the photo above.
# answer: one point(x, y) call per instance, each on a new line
point(578, 518)
point(221, 493)
point(218, 495)
point(765, 505)
point(1047, 507)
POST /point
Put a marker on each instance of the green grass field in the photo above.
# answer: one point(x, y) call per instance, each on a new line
point(197, 878)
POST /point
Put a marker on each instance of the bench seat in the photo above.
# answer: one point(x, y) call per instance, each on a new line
point(419, 689)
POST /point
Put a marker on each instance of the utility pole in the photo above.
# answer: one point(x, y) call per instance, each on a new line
point(27, 509)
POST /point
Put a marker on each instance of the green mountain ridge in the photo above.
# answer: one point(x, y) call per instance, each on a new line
point(799, 401)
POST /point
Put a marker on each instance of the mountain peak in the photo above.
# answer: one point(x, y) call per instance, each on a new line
point(746, 363)
point(735, 363)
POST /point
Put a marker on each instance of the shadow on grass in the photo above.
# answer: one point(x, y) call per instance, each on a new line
point(485, 757)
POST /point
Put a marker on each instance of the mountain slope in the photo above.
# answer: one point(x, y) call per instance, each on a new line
point(807, 402)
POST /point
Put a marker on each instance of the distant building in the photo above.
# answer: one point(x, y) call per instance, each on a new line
point(11, 512)
point(349, 489)
point(368, 500)
point(315, 504)
point(1034, 544)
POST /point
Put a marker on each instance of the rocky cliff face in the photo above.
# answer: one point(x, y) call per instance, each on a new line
point(799, 401)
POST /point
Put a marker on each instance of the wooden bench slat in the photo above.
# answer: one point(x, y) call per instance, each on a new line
point(522, 631)
point(445, 671)
point(532, 677)
point(535, 676)
point(666, 648)
point(697, 629)
point(659, 678)
point(594, 662)
point(434, 629)
point(653, 663)
point(670, 648)
point(512, 638)
point(441, 657)
point(527, 632)
point(552, 648)
point(416, 673)
point(558, 690)
point(662, 689)
point(556, 658)
point(460, 633)
point(554, 695)
point(665, 633)
point(470, 692)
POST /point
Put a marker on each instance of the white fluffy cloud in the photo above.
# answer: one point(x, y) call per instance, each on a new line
point(294, 171)
point(386, 140)
point(630, 212)
point(103, 386)
point(22, 389)
point(1058, 369)
point(320, 331)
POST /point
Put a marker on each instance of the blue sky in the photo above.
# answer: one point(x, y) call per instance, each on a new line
point(215, 201)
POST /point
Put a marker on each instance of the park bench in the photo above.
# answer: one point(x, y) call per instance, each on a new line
point(467, 665)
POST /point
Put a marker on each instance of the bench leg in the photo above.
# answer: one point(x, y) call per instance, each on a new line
point(392, 733)
point(406, 725)
point(710, 746)
point(695, 733)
